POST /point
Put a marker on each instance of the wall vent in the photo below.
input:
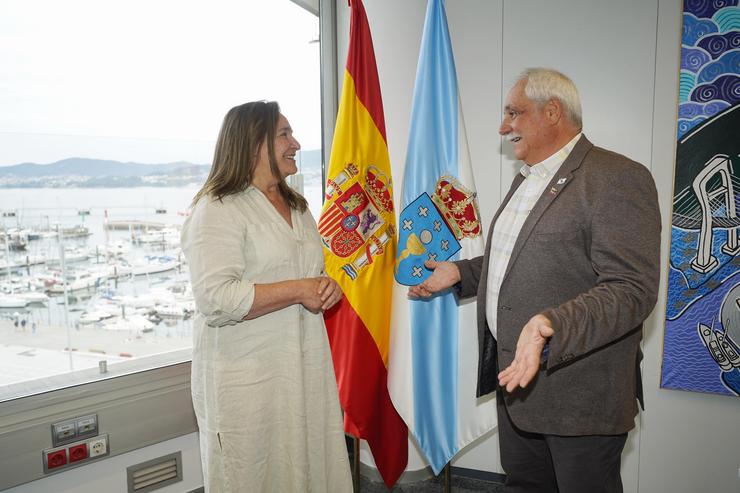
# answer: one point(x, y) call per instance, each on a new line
point(154, 474)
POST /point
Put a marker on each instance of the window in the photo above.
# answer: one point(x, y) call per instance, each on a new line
point(118, 106)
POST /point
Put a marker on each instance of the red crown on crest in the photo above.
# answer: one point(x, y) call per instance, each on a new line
point(377, 185)
point(458, 206)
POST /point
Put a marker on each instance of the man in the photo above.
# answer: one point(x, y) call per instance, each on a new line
point(569, 274)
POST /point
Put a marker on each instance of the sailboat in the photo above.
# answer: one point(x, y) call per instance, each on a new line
point(720, 348)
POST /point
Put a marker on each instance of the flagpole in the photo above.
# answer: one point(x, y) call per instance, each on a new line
point(356, 464)
point(448, 479)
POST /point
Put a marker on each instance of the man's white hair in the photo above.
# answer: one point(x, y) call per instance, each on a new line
point(543, 84)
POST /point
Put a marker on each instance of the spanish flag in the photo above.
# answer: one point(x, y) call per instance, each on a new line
point(357, 227)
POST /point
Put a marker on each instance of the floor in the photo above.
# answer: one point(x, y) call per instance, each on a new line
point(458, 483)
point(433, 485)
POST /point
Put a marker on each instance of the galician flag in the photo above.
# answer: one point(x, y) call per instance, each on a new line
point(433, 364)
point(357, 227)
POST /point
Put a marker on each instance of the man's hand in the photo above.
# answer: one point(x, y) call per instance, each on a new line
point(445, 275)
point(526, 362)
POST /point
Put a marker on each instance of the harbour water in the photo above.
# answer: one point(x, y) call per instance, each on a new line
point(47, 207)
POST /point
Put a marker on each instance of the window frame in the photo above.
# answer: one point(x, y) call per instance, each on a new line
point(136, 408)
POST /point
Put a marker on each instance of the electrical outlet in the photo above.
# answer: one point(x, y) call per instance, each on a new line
point(98, 446)
point(55, 458)
point(77, 452)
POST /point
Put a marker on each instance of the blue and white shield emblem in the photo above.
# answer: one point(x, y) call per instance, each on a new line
point(423, 235)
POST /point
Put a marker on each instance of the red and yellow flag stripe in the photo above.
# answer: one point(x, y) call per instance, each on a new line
point(360, 254)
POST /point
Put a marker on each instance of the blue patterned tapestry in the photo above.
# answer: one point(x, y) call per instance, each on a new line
point(702, 333)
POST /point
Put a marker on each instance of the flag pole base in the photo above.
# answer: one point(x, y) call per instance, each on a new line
point(356, 464)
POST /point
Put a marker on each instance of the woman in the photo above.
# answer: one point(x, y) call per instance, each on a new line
point(263, 383)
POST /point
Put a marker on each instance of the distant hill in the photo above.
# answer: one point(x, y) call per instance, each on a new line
point(95, 168)
point(85, 172)
point(310, 159)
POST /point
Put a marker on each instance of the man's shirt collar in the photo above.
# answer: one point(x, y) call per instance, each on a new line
point(549, 166)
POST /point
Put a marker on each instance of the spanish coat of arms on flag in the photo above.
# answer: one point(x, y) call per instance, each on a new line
point(356, 218)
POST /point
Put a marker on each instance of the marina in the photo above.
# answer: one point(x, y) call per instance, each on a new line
point(108, 285)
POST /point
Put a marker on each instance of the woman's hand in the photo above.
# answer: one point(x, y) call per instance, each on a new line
point(330, 292)
point(319, 293)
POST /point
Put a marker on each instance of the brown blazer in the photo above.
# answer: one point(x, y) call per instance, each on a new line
point(587, 257)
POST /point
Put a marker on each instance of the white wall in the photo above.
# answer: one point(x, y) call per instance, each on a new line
point(624, 57)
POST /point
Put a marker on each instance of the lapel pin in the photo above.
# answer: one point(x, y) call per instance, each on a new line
point(562, 180)
point(553, 190)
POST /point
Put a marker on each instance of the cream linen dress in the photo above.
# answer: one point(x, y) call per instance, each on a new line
point(264, 390)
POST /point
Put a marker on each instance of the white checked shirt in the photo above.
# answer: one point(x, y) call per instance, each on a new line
point(510, 221)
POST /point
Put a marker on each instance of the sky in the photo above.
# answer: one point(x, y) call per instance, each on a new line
point(148, 81)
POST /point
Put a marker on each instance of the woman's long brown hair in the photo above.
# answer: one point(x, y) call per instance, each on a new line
point(244, 129)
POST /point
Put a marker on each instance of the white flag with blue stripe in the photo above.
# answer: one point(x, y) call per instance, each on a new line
point(433, 362)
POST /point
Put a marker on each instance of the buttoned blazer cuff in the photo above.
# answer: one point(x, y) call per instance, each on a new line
point(468, 284)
